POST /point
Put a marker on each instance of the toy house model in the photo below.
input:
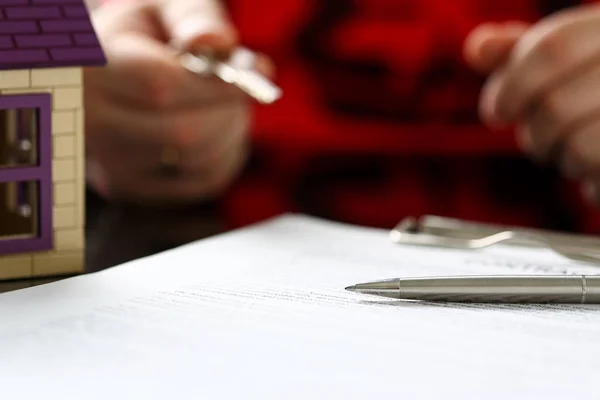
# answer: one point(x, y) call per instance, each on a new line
point(44, 46)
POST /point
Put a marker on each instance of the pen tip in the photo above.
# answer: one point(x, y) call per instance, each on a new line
point(351, 288)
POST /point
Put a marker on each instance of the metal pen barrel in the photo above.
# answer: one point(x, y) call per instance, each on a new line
point(490, 289)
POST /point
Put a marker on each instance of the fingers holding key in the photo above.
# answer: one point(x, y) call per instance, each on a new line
point(148, 74)
point(157, 132)
point(142, 44)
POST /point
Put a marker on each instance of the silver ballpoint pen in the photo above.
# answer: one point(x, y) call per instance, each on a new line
point(489, 289)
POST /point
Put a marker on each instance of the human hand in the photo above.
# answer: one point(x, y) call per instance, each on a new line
point(548, 84)
point(143, 110)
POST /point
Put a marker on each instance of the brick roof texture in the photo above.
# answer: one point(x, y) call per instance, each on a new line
point(47, 34)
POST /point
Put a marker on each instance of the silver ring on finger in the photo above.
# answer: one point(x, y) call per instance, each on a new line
point(170, 162)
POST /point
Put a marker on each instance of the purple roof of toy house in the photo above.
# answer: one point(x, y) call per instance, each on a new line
point(47, 34)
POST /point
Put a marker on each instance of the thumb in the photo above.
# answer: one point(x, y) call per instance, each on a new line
point(488, 45)
point(195, 24)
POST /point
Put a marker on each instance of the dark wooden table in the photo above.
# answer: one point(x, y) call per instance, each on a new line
point(119, 233)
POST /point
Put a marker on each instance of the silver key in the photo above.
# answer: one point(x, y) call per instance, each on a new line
point(250, 82)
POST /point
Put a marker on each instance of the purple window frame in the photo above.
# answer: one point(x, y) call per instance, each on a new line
point(40, 173)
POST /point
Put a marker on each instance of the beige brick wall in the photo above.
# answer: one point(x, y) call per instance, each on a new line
point(65, 84)
point(16, 266)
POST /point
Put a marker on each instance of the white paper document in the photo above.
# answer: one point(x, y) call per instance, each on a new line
point(261, 313)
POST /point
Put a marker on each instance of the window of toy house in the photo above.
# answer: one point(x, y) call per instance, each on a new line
point(24, 170)
point(18, 200)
